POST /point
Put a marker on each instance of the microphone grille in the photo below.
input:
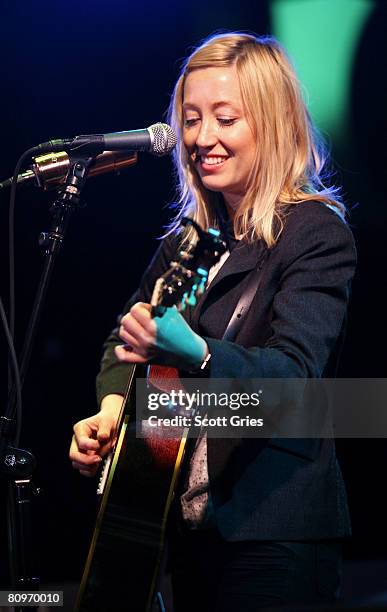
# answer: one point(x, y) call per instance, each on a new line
point(164, 138)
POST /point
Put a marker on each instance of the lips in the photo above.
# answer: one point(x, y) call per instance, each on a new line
point(211, 162)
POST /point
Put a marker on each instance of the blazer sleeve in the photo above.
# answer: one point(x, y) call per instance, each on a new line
point(318, 258)
point(113, 375)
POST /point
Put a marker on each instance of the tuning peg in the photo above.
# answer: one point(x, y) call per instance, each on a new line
point(183, 304)
point(191, 300)
point(214, 232)
point(201, 286)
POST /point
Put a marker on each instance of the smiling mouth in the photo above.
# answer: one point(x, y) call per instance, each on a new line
point(212, 160)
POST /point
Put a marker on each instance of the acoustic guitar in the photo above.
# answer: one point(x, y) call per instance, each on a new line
point(140, 475)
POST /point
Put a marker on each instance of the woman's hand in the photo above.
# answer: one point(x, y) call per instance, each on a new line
point(165, 340)
point(93, 437)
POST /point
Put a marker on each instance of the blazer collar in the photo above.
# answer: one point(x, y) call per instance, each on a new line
point(243, 258)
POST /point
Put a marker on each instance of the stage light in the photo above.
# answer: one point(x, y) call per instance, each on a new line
point(321, 37)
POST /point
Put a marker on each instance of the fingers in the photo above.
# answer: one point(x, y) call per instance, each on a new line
point(85, 435)
point(132, 332)
point(88, 458)
point(129, 339)
point(87, 462)
point(130, 356)
point(142, 313)
point(139, 323)
point(92, 440)
point(138, 331)
point(105, 430)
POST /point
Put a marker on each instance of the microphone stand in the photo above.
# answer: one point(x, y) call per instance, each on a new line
point(17, 465)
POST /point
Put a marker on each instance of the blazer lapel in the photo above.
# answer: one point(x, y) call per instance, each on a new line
point(243, 258)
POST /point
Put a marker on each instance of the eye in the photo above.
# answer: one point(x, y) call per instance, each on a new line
point(190, 122)
point(225, 121)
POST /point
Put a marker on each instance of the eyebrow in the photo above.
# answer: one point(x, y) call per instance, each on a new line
point(215, 105)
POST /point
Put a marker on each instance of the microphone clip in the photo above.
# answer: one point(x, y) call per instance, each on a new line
point(67, 201)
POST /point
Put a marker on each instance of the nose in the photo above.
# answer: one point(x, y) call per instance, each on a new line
point(207, 136)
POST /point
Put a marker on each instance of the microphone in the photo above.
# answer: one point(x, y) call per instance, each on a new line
point(48, 171)
point(158, 139)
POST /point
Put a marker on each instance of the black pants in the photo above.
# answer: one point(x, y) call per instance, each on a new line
point(209, 574)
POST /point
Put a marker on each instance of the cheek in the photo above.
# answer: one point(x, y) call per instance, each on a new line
point(188, 140)
point(190, 148)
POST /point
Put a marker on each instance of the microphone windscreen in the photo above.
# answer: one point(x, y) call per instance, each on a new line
point(163, 137)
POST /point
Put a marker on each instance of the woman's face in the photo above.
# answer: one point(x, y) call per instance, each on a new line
point(216, 133)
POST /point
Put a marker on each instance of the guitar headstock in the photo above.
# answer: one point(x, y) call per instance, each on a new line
point(187, 276)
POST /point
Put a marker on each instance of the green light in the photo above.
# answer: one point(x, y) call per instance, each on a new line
point(321, 37)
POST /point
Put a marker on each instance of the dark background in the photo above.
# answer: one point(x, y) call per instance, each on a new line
point(72, 68)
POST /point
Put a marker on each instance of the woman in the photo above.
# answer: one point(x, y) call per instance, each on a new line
point(258, 524)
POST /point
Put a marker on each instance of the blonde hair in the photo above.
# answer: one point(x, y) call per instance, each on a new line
point(289, 159)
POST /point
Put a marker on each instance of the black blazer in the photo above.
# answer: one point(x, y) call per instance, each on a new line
point(282, 489)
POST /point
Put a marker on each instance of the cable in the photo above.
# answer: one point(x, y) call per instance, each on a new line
point(13, 367)
point(16, 373)
point(11, 231)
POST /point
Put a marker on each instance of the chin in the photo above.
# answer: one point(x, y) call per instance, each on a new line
point(213, 185)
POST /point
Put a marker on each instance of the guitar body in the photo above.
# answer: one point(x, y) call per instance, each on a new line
point(123, 562)
point(139, 480)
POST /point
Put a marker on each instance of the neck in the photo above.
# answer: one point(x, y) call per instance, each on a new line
point(232, 203)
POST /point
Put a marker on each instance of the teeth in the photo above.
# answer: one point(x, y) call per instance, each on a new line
point(212, 161)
